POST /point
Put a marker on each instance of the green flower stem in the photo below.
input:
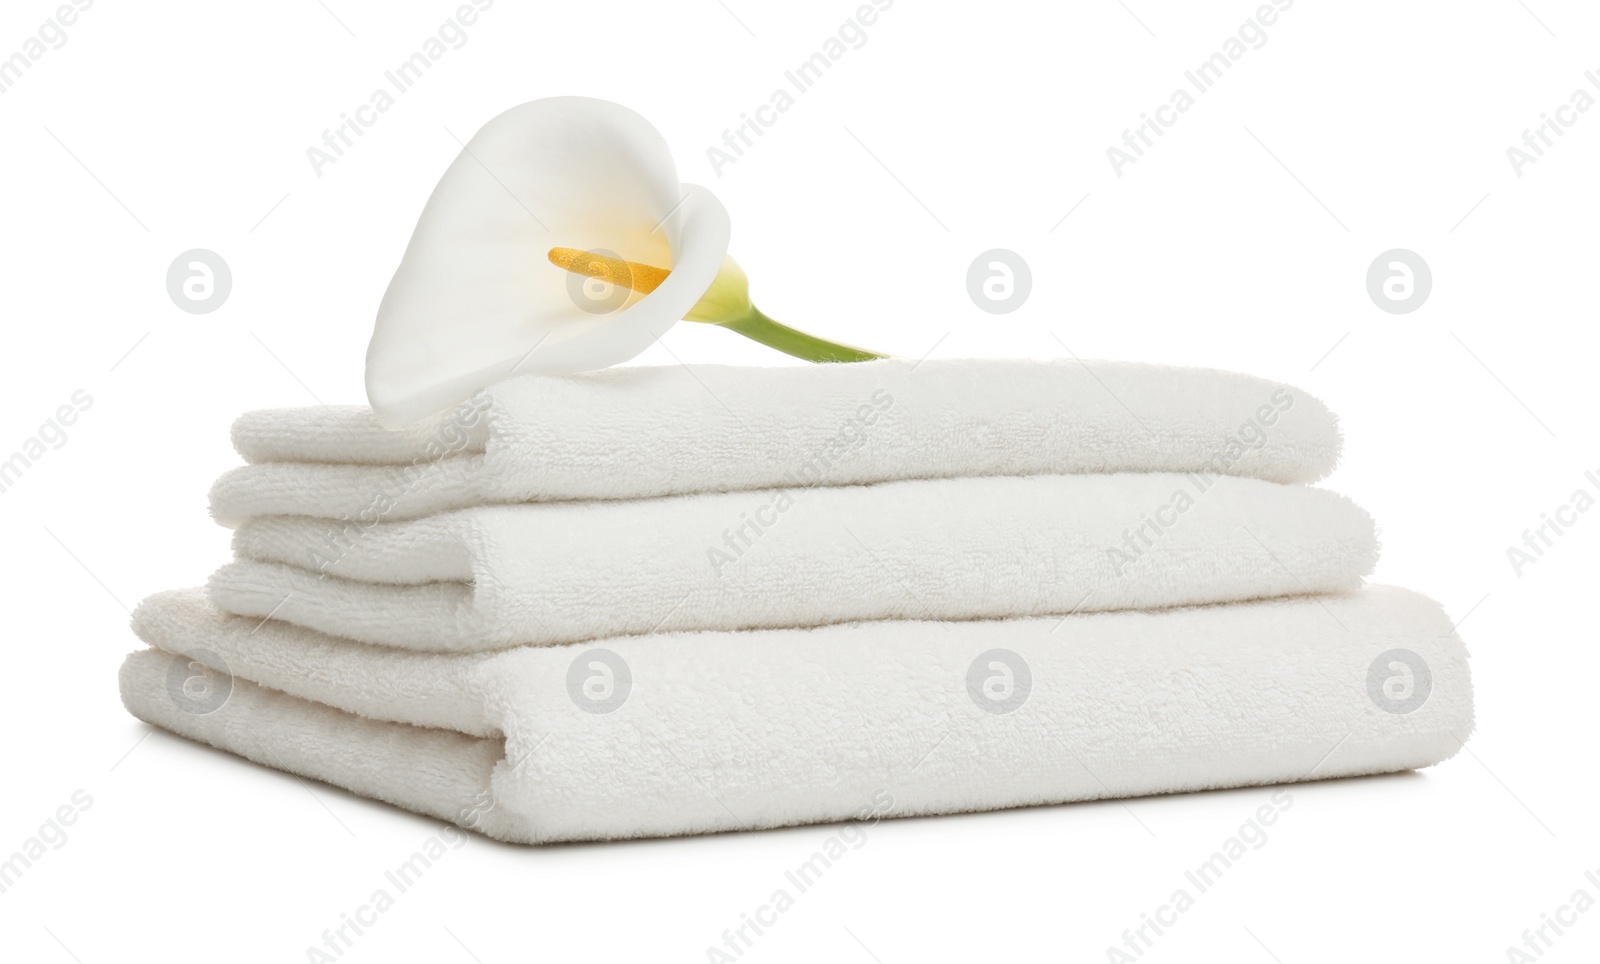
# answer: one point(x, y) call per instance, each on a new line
point(758, 327)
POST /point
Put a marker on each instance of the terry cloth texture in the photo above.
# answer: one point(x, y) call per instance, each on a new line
point(497, 576)
point(641, 432)
point(685, 733)
point(655, 601)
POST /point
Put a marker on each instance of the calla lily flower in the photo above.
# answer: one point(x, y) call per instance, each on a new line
point(560, 240)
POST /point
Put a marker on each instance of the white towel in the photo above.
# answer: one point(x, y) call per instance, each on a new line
point(642, 432)
point(723, 731)
point(498, 576)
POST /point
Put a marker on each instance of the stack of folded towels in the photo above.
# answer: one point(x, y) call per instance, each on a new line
point(656, 601)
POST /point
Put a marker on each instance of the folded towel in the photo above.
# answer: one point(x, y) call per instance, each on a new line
point(643, 432)
point(692, 733)
point(497, 576)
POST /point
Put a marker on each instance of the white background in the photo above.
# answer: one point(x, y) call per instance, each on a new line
point(1241, 241)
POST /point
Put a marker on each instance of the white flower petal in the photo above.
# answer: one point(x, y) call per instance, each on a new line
point(475, 298)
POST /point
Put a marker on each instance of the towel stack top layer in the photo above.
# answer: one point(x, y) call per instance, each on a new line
point(644, 432)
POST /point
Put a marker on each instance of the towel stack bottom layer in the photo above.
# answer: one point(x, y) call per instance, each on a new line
point(653, 602)
point(738, 730)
